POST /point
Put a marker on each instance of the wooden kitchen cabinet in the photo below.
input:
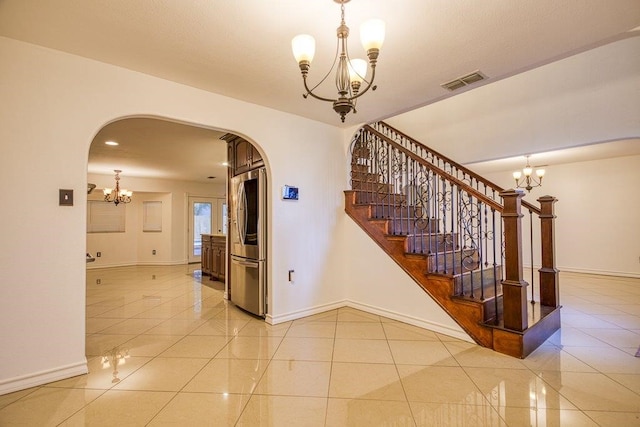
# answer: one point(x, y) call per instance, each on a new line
point(242, 155)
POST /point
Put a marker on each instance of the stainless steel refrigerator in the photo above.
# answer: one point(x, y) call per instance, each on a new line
point(248, 241)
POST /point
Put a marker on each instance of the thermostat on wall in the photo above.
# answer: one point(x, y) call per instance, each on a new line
point(289, 193)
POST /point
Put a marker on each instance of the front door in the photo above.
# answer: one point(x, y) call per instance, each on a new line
point(201, 217)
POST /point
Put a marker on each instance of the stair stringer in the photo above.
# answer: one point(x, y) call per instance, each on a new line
point(469, 315)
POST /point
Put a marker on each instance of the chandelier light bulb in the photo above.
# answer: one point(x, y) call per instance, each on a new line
point(517, 175)
point(304, 47)
point(372, 34)
point(527, 171)
point(357, 70)
point(540, 173)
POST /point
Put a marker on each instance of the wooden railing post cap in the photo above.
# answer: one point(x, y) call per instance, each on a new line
point(511, 192)
point(547, 199)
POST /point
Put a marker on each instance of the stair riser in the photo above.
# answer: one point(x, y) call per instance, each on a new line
point(452, 262)
point(365, 177)
point(361, 153)
point(429, 243)
point(407, 225)
point(389, 211)
point(371, 186)
point(385, 198)
point(480, 278)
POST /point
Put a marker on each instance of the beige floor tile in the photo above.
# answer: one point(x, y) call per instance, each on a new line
point(132, 326)
point(402, 331)
point(421, 353)
point(119, 408)
point(593, 391)
point(260, 328)
point(201, 409)
point(150, 345)
point(99, 344)
point(295, 378)
point(632, 382)
point(546, 417)
point(446, 414)
point(97, 324)
point(616, 337)
point(238, 376)
point(163, 374)
point(205, 346)
point(472, 355)
point(352, 315)
point(439, 384)
point(362, 351)
point(276, 411)
point(9, 398)
point(250, 348)
point(46, 407)
point(585, 321)
point(367, 413)
point(175, 327)
point(574, 337)
point(615, 419)
point(608, 360)
point(326, 316)
point(231, 312)
point(102, 373)
point(551, 358)
point(221, 327)
point(313, 330)
point(195, 313)
point(360, 330)
point(516, 388)
point(365, 381)
point(294, 348)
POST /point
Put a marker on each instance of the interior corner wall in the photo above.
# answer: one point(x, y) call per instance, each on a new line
point(53, 104)
point(135, 247)
point(596, 229)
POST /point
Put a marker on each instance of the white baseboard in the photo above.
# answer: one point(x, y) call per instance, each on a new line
point(295, 315)
point(421, 323)
point(93, 266)
point(599, 272)
point(43, 377)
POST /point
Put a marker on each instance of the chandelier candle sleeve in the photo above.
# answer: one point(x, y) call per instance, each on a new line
point(350, 73)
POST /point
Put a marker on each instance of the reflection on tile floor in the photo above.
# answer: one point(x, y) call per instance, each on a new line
point(165, 350)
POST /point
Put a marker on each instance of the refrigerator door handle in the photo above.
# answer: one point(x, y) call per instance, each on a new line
point(249, 264)
point(240, 226)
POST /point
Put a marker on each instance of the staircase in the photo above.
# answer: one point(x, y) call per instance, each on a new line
point(459, 236)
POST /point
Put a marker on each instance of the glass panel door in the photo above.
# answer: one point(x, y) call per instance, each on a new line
point(200, 222)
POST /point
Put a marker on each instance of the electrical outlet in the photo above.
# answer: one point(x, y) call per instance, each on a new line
point(153, 252)
point(291, 275)
point(98, 254)
point(98, 281)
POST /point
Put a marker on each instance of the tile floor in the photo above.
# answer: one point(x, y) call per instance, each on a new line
point(188, 357)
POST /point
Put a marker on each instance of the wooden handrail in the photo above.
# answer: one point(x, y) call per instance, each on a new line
point(458, 166)
point(461, 184)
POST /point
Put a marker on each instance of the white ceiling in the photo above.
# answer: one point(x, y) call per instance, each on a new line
point(241, 48)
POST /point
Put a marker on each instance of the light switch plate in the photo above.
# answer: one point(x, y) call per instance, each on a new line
point(66, 197)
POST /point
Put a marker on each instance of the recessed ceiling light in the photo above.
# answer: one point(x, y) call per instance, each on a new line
point(111, 143)
point(211, 177)
point(225, 163)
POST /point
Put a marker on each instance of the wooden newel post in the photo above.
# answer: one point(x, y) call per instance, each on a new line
point(514, 288)
point(549, 278)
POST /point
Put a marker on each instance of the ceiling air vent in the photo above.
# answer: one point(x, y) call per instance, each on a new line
point(463, 81)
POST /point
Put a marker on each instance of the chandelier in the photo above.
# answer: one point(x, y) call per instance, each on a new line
point(350, 73)
point(525, 179)
point(117, 195)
